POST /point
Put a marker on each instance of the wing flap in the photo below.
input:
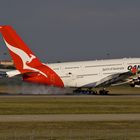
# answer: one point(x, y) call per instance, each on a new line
point(115, 79)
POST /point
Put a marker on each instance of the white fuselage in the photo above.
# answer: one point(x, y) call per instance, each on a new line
point(82, 73)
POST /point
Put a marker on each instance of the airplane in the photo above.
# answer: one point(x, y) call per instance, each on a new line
point(78, 75)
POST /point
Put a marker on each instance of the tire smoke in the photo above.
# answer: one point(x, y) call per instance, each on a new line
point(14, 86)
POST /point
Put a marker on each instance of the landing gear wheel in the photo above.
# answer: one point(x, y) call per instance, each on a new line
point(103, 92)
point(85, 91)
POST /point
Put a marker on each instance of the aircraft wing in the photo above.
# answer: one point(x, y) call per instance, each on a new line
point(116, 79)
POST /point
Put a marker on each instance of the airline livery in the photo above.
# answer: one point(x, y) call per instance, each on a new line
point(82, 74)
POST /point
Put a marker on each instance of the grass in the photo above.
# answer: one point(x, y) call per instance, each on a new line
point(68, 105)
point(43, 104)
point(125, 130)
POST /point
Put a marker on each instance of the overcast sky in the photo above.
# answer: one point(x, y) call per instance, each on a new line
point(71, 30)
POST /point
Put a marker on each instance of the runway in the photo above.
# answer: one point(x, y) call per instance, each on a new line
point(69, 117)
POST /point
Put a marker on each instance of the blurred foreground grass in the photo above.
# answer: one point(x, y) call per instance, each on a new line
point(125, 130)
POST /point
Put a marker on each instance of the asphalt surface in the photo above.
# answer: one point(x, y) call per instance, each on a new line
point(70, 117)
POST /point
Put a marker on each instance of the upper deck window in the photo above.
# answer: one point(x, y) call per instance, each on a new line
point(71, 67)
point(107, 65)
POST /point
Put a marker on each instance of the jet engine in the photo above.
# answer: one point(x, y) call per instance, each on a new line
point(135, 82)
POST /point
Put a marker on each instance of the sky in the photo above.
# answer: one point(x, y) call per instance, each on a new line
point(73, 30)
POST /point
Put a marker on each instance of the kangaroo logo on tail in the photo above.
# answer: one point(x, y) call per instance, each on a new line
point(26, 59)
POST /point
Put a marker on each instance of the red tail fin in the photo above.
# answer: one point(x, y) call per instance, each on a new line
point(19, 51)
point(25, 61)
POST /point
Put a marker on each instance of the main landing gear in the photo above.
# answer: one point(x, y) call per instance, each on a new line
point(103, 92)
point(90, 91)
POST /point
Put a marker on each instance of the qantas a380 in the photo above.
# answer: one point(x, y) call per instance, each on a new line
point(81, 74)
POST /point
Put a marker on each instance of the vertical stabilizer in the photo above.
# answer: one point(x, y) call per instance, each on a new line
point(19, 51)
point(26, 62)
